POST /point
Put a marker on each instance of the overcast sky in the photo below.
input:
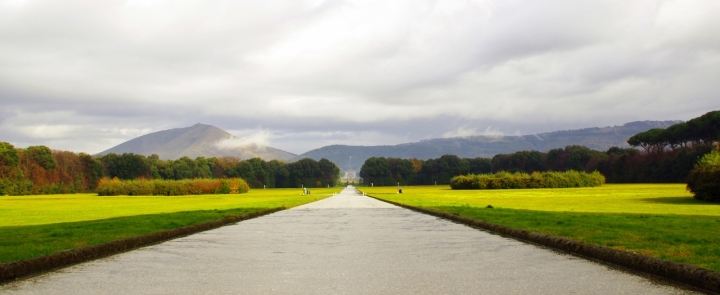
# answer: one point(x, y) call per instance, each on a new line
point(87, 75)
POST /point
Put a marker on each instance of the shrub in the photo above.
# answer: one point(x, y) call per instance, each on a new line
point(109, 187)
point(158, 187)
point(224, 187)
point(15, 187)
point(506, 180)
point(238, 186)
point(704, 179)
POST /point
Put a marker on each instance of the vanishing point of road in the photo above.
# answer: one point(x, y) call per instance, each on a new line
point(346, 244)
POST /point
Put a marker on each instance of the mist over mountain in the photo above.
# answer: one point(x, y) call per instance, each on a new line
point(351, 158)
point(195, 141)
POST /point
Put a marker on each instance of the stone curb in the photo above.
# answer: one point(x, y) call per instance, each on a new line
point(17, 269)
point(692, 275)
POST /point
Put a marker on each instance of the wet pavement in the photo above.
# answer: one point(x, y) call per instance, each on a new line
point(346, 244)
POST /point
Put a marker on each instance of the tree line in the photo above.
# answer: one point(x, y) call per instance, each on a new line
point(619, 165)
point(40, 170)
point(703, 130)
point(383, 171)
point(668, 155)
point(257, 172)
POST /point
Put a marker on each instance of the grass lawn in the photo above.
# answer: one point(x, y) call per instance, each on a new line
point(660, 220)
point(32, 226)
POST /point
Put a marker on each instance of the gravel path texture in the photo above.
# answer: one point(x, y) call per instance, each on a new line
point(346, 244)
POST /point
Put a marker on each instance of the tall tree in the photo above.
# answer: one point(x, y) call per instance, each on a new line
point(9, 159)
point(376, 171)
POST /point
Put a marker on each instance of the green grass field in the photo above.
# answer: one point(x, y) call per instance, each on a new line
point(32, 226)
point(660, 220)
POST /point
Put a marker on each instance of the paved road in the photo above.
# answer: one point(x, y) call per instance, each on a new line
point(347, 244)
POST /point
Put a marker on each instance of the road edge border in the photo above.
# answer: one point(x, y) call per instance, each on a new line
point(695, 276)
point(19, 269)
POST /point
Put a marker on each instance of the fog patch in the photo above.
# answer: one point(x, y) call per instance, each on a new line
point(465, 131)
point(259, 140)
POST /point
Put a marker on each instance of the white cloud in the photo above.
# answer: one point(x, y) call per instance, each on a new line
point(462, 131)
point(133, 132)
point(46, 131)
point(258, 139)
point(465, 131)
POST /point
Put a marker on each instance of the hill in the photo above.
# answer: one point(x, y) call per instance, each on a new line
point(350, 158)
point(194, 141)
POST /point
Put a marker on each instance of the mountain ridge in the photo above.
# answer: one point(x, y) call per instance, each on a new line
point(350, 158)
point(195, 141)
point(203, 140)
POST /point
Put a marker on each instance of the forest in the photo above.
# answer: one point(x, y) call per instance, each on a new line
point(40, 170)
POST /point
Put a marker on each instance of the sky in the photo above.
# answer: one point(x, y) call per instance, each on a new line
point(297, 75)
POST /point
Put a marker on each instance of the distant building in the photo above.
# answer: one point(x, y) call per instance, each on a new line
point(350, 176)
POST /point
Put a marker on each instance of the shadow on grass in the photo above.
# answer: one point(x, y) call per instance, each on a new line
point(24, 242)
point(678, 201)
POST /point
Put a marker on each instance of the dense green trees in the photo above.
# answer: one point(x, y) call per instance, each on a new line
point(572, 157)
point(442, 169)
point(9, 157)
point(257, 172)
point(12, 179)
point(703, 130)
point(305, 172)
point(42, 156)
point(126, 166)
point(382, 171)
point(619, 165)
point(376, 171)
point(518, 161)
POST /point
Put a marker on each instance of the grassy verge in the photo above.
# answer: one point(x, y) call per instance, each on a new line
point(662, 221)
point(33, 226)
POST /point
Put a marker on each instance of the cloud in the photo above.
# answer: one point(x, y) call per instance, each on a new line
point(259, 139)
point(364, 71)
point(462, 131)
point(465, 131)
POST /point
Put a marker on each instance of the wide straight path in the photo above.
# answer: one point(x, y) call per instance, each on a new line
point(347, 244)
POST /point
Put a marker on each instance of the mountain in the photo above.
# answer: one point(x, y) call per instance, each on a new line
point(351, 158)
point(195, 141)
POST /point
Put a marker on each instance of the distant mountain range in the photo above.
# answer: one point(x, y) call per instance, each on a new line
point(194, 141)
point(209, 141)
point(351, 158)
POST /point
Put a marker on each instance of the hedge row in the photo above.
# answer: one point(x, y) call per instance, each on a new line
point(704, 179)
point(506, 180)
point(159, 187)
